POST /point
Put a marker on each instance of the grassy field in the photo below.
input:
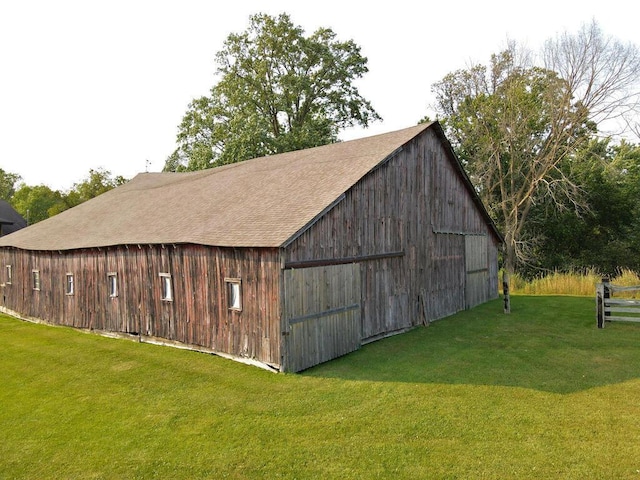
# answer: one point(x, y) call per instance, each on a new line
point(540, 393)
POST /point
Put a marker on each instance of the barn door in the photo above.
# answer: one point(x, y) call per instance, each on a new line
point(322, 312)
point(477, 270)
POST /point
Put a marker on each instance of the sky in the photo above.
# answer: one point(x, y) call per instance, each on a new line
point(98, 84)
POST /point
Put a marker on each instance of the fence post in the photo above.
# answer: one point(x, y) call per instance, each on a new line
point(606, 295)
point(505, 291)
point(600, 305)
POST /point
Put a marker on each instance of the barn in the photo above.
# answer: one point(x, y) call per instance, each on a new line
point(10, 220)
point(284, 261)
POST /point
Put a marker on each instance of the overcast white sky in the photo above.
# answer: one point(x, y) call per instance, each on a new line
point(104, 84)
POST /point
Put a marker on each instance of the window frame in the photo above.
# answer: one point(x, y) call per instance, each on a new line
point(69, 285)
point(234, 293)
point(112, 283)
point(166, 285)
point(35, 280)
point(9, 274)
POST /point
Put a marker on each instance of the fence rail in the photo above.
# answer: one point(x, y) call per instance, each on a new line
point(625, 309)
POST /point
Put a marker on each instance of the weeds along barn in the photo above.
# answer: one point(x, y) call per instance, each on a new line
point(285, 261)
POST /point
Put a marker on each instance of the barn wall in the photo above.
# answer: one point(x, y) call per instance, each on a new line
point(198, 315)
point(405, 224)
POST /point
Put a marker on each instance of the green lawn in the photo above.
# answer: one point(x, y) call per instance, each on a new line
point(540, 393)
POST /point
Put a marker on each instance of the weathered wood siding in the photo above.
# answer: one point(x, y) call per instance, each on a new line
point(405, 225)
point(322, 314)
point(446, 276)
point(198, 315)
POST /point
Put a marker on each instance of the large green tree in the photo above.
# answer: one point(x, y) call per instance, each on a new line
point(607, 234)
point(517, 124)
point(97, 182)
point(37, 203)
point(8, 183)
point(278, 91)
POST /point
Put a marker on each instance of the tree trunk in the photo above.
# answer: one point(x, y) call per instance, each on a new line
point(505, 292)
point(508, 269)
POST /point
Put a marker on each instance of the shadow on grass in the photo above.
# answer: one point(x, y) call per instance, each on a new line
point(547, 343)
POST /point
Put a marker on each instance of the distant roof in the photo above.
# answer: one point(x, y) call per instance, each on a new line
point(10, 220)
point(262, 202)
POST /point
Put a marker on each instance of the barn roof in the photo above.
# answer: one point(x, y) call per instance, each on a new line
point(262, 202)
point(10, 220)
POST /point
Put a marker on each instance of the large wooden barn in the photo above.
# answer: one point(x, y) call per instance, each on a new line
point(285, 261)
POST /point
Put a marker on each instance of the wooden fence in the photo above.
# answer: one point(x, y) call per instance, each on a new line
point(611, 309)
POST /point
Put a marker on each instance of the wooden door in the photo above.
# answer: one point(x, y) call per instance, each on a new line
point(477, 270)
point(322, 314)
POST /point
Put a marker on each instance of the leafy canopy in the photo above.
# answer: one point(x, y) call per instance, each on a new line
point(8, 182)
point(279, 91)
point(37, 203)
point(605, 236)
point(97, 182)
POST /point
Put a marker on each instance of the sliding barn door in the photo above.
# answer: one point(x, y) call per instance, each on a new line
point(322, 312)
point(477, 270)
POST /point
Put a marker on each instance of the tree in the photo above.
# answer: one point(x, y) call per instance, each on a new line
point(96, 183)
point(37, 203)
point(8, 182)
point(41, 202)
point(517, 126)
point(607, 235)
point(279, 90)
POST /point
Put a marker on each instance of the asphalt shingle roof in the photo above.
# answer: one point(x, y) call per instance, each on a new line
point(257, 203)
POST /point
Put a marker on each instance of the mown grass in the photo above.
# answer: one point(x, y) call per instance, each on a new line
point(539, 393)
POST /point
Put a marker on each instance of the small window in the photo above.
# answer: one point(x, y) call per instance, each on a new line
point(112, 278)
point(167, 290)
point(9, 275)
point(234, 293)
point(69, 284)
point(35, 279)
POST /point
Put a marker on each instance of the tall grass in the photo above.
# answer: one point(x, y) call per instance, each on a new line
point(572, 283)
